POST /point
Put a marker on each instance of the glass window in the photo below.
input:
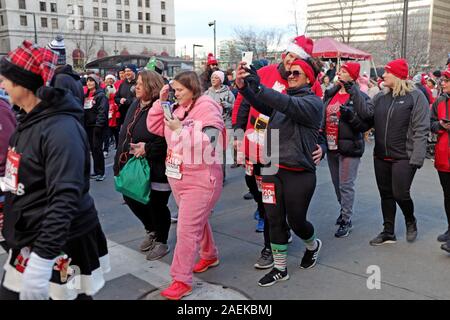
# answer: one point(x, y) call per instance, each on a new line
point(96, 26)
point(22, 4)
point(119, 27)
point(164, 31)
point(23, 21)
point(43, 6)
point(53, 7)
point(44, 23)
point(55, 23)
point(105, 26)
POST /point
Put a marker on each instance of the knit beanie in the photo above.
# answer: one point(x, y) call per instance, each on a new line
point(211, 60)
point(398, 68)
point(353, 69)
point(29, 66)
point(219, 74)
point(57, 45)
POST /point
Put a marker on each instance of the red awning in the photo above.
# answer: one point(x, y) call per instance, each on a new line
point(124, 52)
point(77, 54)
point(101, 54)
point(331, 48)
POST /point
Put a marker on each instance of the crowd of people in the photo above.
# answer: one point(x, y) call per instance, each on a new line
point(52, 122)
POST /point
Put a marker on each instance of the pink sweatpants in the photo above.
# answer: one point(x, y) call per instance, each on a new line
point(196, 196)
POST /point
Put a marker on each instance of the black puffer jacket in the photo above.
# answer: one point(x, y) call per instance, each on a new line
point(155, 146)
point(350, 137)
point(126, 90)
point(97, 114)
point(52, 203)
point(297, 116)
point(66, 78)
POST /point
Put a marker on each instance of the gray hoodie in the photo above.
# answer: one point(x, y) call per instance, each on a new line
point(223, 96)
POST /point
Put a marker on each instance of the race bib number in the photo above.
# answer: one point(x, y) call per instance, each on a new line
point(268, 193)
point(248, 168)
point(279, 87)
point(11, 179)
point(174, 165)
point(259, 183)
point(88, 104)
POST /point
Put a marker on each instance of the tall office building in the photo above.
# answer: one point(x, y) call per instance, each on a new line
point(91, 28)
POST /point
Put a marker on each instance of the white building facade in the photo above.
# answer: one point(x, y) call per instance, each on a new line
point(91, 28)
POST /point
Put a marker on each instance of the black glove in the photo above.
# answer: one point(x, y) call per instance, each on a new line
point(348, 86)
point(252, 80)
point(347, 113)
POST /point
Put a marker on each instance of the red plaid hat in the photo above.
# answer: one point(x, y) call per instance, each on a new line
point(29, 66)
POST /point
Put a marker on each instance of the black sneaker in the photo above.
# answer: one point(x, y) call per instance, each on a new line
point(446, 246)
point(444, 237)
point(248, 196)
point(344, 229)
point(339, 220)
point(310, 257)
point(273, 277)
point(266, 260)
point(411, 231)
point(383, 238)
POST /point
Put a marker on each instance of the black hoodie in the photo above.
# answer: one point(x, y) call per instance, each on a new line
point(52, 204)
point(66, 78)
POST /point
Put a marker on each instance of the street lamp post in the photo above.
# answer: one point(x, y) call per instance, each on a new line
point(214, 24)
point(35, 29)
point(405, 28)
point(193, 52)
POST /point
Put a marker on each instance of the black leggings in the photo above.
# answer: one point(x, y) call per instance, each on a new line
point(444, 177)
point(155, 216)
point(394, 179)
point(95, 135)
point(257, 196)
point(293, 192)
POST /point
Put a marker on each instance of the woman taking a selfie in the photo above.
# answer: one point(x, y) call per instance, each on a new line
point(136, 140)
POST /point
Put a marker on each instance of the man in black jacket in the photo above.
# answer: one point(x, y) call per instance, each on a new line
point(343, 130)
point(65, 77)
point(127, 92)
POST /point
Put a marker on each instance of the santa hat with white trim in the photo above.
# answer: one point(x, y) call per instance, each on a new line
point(301, 46)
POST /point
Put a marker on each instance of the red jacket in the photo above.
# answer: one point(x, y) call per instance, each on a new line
point(441, 110)
point(113, 113)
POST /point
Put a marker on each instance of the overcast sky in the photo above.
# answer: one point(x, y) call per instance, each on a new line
point(192, 17)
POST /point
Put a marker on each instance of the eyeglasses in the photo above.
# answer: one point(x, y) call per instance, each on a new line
point(295, 73)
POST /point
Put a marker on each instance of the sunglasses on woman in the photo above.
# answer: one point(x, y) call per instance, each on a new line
point(295, 73)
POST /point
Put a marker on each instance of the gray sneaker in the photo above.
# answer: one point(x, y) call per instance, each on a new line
point(266, 260)
point(158, 251)
point(147, 244)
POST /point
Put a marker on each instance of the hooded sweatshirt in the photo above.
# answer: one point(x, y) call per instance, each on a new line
point(223, 96)
point(51, 202)
point(7, 126)
point(66, 78)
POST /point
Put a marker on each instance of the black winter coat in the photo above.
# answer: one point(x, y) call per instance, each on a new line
point(297, 116)
point(155, 146)
point(52, 203)
point(97, 116)
point(350, 138)
point(66, 78)
point(126, 90)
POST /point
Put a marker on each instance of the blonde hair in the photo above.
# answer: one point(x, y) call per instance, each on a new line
point(401, 87)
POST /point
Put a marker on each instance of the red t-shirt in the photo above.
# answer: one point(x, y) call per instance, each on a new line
point(332, 119)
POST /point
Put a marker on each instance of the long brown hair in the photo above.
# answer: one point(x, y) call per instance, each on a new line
point(191, 81)
point(153, 83)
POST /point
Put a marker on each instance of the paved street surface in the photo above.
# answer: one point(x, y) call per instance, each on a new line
point(408, 271)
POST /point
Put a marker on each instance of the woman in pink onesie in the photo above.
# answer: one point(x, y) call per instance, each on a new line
point(194, 157)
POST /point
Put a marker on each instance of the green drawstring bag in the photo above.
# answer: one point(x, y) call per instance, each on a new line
point(134, 180)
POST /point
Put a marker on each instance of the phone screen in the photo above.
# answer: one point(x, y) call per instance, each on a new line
point(167, 110)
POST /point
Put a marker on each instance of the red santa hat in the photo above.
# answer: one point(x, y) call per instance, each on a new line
point(446, 73)
point(398, 68)
point(353, 69)
point(301, 46)
point(211, 59)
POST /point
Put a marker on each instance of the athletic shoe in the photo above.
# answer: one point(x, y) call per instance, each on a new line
point(203, 265)
point(444, 237)
point(289, 237)
point(158, 251)
point(339, 220)
point(446, 246)
point(100, 178)
point(310, 257)
point(411, 231)
point(248, 196)
point(344, 229)
point(273, 277)
point(256, 215)
point(177, 291)
point(105, 154)
point(383, 238)
point(260, 226)
point(266, 260)
point(94, 176)
point(147, 244)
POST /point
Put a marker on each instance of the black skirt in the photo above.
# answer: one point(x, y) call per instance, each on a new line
point(78, 270)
